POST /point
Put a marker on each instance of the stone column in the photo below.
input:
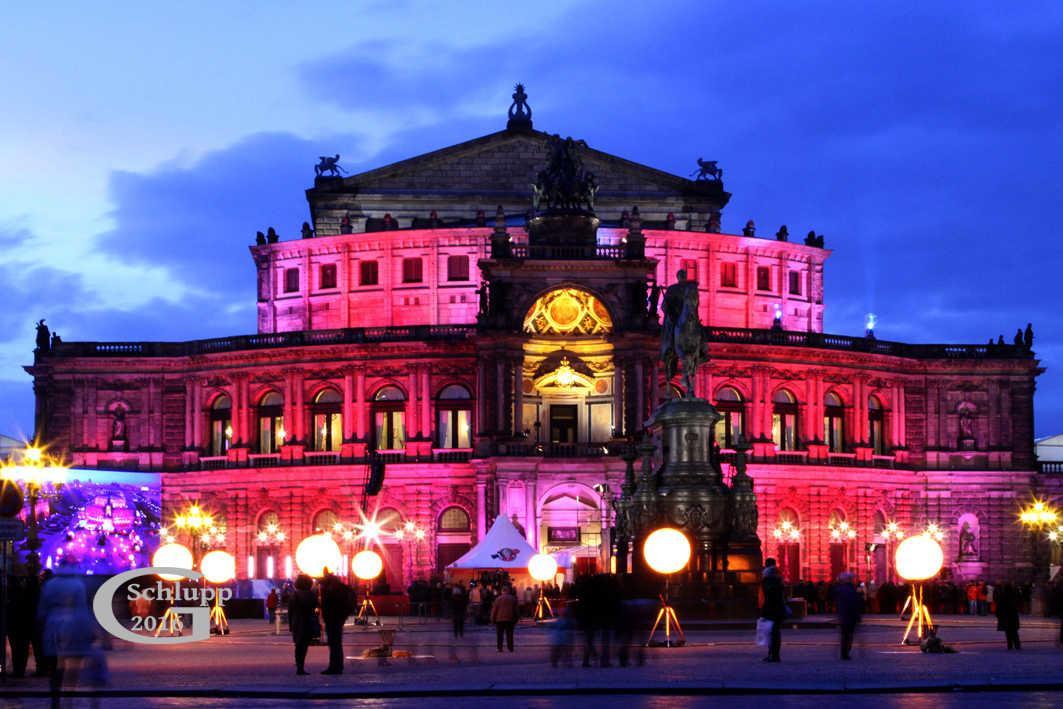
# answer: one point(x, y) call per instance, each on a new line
point(197, 414)
point(189, 414)
point(348, 408)
point(481, 510)
point(518, 395)
point(481, 397)
point(531, 521)
point(426, 403)
point(413, 428)
point(500, 395)
point(361, 408)
point(640, 396)
point(300, 414)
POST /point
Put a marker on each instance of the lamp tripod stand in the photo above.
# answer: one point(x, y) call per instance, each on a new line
point(219, 624)
point(542, 607)
point(920, 617)
point(667, 613)
point(365, 609)
point(170, 622)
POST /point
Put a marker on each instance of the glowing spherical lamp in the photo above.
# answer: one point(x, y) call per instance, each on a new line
point(367, 565)
point(218, 567)
point(542, 567)
point(174, 556)
point(919, 558)
point(317, 553)
point(666, 550)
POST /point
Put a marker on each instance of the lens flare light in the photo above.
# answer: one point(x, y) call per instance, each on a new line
point(174, 556)
point(317, 553)
point(367, 565)
point(542, 567)
point(919, 558)
point(666, 550)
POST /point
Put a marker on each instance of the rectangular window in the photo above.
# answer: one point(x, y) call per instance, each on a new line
point(454, 429)
point(795, 283)
point(411, 270)
point(328, 275)
point(729, 275)
point(457, 268)
point(291, 280)
point(691, 267)
point(367, 273)
point(763, 278)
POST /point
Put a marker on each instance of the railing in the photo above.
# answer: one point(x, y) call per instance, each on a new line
point(1051, 467)
point(214, 462)
point(321, 457)
point(264, 460)
point(451, 455)
point(864, 344)
point(568, 252)
point(428, 333)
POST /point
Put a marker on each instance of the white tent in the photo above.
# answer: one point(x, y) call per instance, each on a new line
point(503, 547)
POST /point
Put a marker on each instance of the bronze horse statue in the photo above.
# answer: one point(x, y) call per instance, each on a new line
point(682, 337)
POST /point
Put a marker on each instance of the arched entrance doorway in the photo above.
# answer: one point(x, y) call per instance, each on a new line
point(570, 521)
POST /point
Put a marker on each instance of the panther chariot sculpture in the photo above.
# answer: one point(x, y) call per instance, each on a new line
point(329, 166)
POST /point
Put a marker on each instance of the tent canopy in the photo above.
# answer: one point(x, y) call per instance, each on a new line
point(503, 547)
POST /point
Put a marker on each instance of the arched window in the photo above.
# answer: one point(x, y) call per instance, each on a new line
point(784, 420)
point(729, 429)
point(327, 413)
point(389, 419)
point(841, 534)
point(454, 519)
point(221, 425)
point(270, 423)
point(454, 417)
point(325, 521)
point(876, 429)
point(833, 422)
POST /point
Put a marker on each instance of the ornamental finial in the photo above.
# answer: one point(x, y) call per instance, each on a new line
point(520, 113)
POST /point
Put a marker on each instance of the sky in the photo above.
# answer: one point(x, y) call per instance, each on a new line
point(143, 145)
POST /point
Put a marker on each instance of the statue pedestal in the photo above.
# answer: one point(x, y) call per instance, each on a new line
point(968, 570)
point(119, 444)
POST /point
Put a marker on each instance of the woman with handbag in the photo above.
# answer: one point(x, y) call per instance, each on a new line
point(303, 620)
point(774, 608)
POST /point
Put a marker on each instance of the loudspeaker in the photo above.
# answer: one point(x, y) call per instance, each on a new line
point(376, 477)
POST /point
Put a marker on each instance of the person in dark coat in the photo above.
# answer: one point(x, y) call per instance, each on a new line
point(459, 603)
point(850, 606)
point(21, 617)
point(302, 620)
point(774, 608)
point(336, 605)
point(504, 615)
point(1007, 600)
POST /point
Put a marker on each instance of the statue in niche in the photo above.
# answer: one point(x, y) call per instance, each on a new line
point(682, 336)
point(968, 542)
point(118, 425)
point(966, 412)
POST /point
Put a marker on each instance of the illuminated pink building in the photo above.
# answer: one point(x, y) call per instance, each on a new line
point(376, 336)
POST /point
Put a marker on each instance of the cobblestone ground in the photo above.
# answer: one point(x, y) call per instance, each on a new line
point(255, 663)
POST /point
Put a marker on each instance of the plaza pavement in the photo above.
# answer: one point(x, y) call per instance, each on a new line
point(253, 663)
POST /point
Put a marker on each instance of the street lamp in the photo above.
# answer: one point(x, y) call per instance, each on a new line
point(667, 551)
point(175, 556)
point(919, 558)
point(542, 568)
point(366, 566)
point(1035, 517)
point(41, 476)
point(218, 567)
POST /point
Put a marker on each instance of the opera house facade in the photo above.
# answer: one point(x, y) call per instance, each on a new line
point(413, 322)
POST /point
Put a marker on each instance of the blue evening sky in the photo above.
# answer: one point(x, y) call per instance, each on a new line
point(143, 144)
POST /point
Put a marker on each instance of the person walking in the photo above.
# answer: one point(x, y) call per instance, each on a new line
point(774, 608)
point(336, 605)
point(271, 605)
point(850, 606)
point(504, 616)
point(302, 620)
point(1007, 598)
point(459, 603)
